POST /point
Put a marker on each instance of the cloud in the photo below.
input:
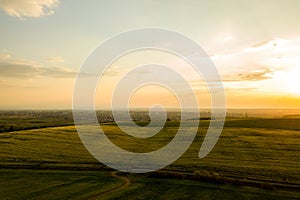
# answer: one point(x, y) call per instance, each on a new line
point(5, 56)
point(260, 44)
point(256, 75)
point(118, 70)
point(28, 8)
point(55, 59)
point(260, 60)
point(16, 69)
point(57, 72)
point(23, 69)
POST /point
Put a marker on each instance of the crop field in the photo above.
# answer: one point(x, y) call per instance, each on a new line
point(52, 184)
point(29, 184)
point(145, 188)
point(22, 120)
point(246, 163)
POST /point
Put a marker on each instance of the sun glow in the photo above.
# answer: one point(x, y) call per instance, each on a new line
point(288, 81)
point(292, 82)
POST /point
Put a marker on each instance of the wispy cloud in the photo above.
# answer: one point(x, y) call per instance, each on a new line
point(57, 72)
point(23, 69)
point(5, 56)
point(256, 75)
point(28, 8)
point(55, 59)
point(118, 70)
point(260, 44)
point(259, 61)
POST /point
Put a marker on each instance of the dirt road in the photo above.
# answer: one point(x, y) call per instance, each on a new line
point(126, 183)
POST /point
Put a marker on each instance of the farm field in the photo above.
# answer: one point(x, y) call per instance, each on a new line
point(149, 100)
point(49, 184)
point(148, 188)
point(246, 163)
point(40, 184)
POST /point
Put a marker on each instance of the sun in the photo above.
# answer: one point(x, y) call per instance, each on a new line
point(292, 82)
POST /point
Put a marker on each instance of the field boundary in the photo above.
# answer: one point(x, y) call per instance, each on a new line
point(223, 180)
point(165, 175)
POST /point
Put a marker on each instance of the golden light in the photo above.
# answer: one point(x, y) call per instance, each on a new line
point(286, 82)
point(292, 82)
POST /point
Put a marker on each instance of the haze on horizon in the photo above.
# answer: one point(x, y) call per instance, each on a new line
point(255, 46)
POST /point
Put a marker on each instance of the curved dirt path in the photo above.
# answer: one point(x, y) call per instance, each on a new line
point(126, 183)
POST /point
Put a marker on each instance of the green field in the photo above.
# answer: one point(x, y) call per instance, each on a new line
point(145, 188)
point(23, 120)
point(40, 184)
point(49, 184)
point(246, 163)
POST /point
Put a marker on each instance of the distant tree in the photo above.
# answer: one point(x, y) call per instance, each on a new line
point(2, 128)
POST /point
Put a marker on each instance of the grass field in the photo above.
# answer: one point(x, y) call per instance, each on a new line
point(259, 157)
point(23, 120)
point(39, 184)
point(145, 188)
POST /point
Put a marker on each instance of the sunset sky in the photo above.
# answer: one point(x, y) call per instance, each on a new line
point(255, 45)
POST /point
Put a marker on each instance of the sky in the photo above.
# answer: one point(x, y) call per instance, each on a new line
point(253, 44)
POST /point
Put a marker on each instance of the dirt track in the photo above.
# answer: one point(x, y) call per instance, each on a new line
point(126, 183)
